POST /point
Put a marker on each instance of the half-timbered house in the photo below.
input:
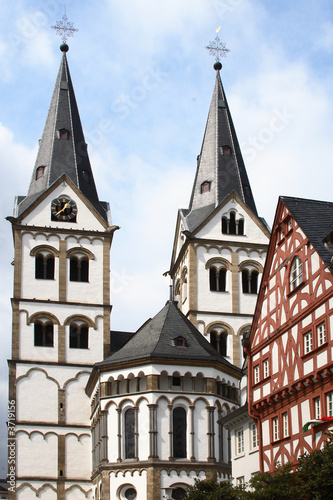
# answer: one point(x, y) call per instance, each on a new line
point(290, 352)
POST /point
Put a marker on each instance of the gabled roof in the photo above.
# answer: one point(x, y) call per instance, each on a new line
point(225, 172)
point(155, 340)
point(67, 155)
point(315, 219)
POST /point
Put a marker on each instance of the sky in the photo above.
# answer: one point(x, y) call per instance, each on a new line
point(143, 82)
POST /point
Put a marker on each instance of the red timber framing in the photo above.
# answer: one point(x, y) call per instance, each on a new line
point(291, 343)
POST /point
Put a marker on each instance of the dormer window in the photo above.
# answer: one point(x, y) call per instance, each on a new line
point(205, 187)
point(63, 133)
point(40, 172)
point(179, 341)
point(226, 150)
point(86, 176)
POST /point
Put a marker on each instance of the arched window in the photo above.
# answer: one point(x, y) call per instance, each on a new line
point(63, 133)
point(223, 343)
point(217, 279)
point(44, 265)
point(184, 285)
point(250, 281)
point(43, 333)
point(79, 268)
point(296, 273)
point(241, 226)
point(232, 224)
point(179, 432)
point(40, 171)
point(130, 433)
point(226, 150)
point(78, 335)
point(205, 187)
point(219, 340)
point(178, 493)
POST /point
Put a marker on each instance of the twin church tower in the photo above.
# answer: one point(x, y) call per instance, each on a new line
point(116, 415)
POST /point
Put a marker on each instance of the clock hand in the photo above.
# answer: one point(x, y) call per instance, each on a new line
point(63, 208)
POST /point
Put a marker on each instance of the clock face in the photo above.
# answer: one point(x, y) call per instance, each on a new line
point(63, 209)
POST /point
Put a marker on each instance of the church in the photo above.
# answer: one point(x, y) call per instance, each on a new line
point(103, 414)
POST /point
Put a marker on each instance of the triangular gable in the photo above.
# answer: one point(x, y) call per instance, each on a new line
point(77, 192)
point(244, 207)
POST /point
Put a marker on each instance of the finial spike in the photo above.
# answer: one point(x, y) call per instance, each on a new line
point(217, 48)
point(64, 29)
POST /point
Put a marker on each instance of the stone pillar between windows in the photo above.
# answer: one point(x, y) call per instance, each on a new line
point(170, 408)
point(211, 434)
point(119, 435)
point(192, 457)
point(152, 382)
point(105, 485)
point(61, 467)
point(15, 330)
point(153, 483)
point(62, 344)
point(235, 283)
point(62, 271)
point(236, 350)
point(193, 384)
point(61, 406)
point(210, 385)
point(192, 284)
point(152, 432)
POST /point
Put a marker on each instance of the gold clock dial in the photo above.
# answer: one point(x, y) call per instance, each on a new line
point(63, 209)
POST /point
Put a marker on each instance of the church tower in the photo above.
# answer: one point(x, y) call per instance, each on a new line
point(61, 307)
point(220, 242)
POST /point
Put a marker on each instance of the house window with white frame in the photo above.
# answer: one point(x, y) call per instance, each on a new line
point(239, 442)
point(256, 374)
point(285, 425)
point(296, 273)
point(275, 425)
point(254, 437)
point(240, 481)
point(321, 334)
point(317, 408)
point(308, 343)
point(266, 368)
point(329, 402)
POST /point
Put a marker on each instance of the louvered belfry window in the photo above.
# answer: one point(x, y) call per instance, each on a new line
point(130, 433)
point(179, 433)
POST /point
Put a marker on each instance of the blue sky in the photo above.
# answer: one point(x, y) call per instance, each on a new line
point(143, 82)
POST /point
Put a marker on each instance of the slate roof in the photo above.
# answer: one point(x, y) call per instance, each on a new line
point(226, 173)
point(155, 339)
point(315, 218)
point(63, 156)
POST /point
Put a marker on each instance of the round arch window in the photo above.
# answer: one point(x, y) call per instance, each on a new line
point(178, 493)
point(128, 492)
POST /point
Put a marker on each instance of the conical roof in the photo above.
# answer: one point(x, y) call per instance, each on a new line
point(156, 339)
point(220, 162)
point(62, 148)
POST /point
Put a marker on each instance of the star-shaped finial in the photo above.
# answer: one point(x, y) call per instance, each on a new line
point(64, 28)
point(217, 48)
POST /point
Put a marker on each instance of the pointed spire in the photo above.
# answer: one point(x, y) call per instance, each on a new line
point(62, 148)
point(220, 162)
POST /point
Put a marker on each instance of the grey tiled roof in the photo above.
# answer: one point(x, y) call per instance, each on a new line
point(226, 173)
point(155, 339)
point(315, 219)
point(63, 156)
